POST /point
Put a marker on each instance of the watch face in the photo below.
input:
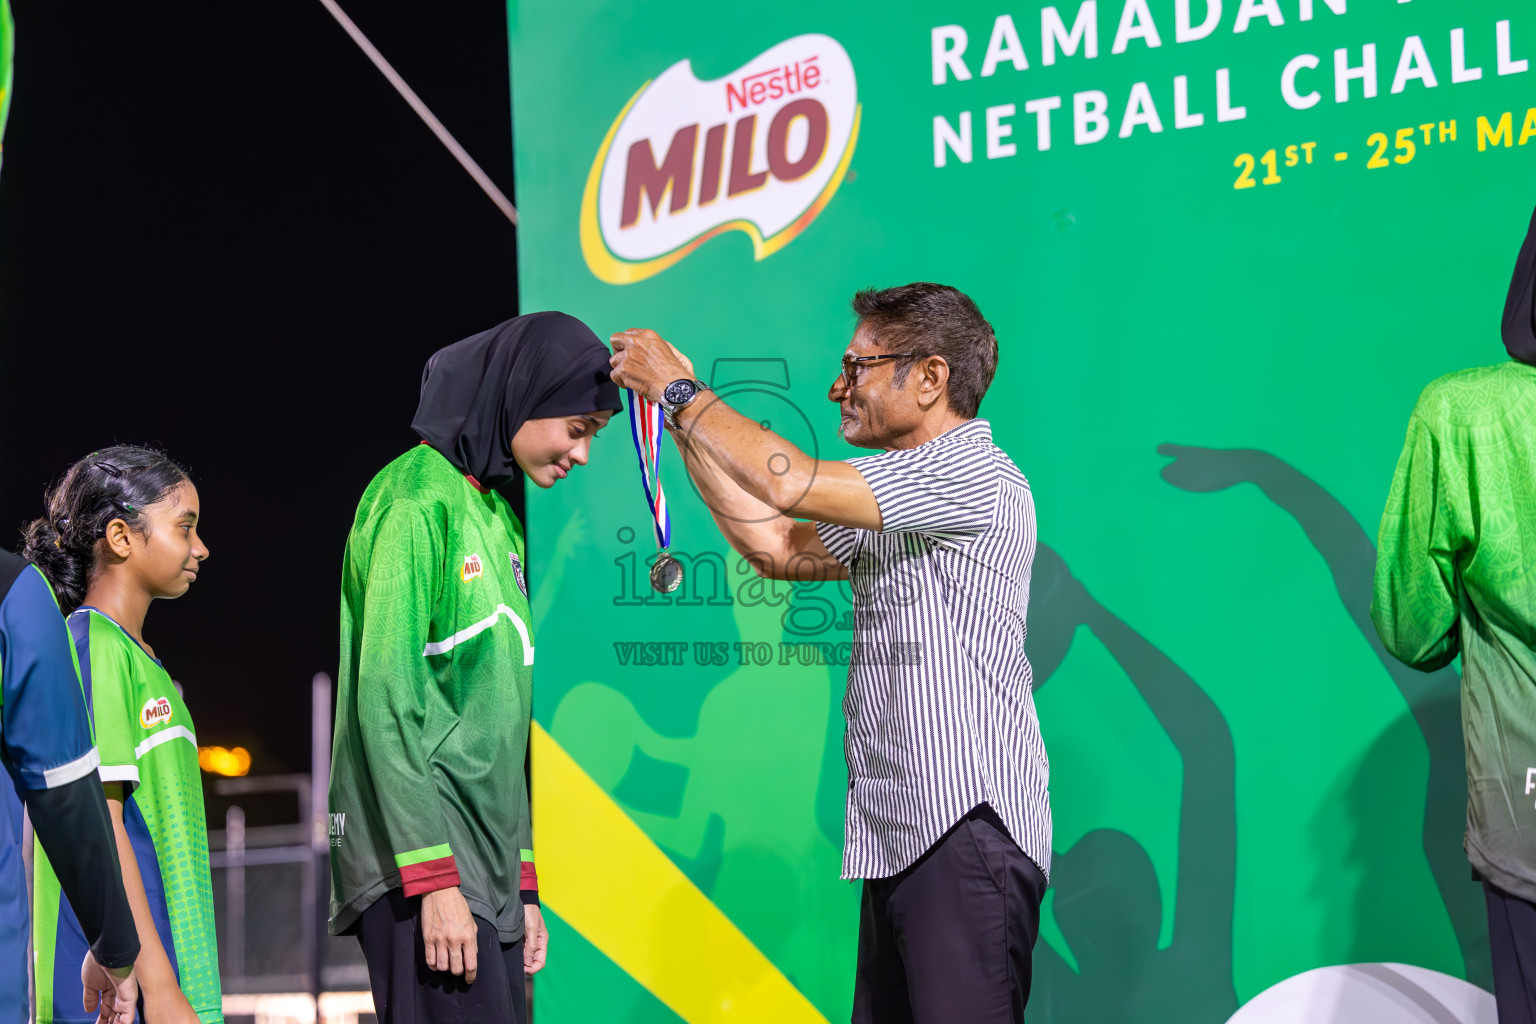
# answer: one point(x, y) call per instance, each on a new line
point(680, 392)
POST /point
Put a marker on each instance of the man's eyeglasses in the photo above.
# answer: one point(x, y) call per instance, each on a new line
point(852, 365)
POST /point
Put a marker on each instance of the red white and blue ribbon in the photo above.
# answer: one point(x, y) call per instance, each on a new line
point(646, 425)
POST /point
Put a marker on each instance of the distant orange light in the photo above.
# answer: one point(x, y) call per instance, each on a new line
point(219, 761)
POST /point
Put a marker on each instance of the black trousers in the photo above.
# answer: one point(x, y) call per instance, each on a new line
point(949, 939)
point(406, 992)
point(1512, 941)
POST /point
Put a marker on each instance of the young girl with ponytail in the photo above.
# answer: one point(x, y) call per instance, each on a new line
point(121, 531)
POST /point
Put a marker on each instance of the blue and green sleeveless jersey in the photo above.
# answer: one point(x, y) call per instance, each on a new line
point(146, 741)
point(45, 742)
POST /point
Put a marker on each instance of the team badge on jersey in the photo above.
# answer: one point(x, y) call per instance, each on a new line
point(472, 568)
point(517, 573)
point(156, 711)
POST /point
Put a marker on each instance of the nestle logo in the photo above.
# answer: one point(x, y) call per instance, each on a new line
point(675, 171)
point(773, 84)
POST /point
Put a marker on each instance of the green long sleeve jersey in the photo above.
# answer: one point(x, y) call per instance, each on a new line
point(434, 698)
point(1456, 573)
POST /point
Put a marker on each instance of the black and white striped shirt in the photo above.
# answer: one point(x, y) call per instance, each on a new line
point(940, 709)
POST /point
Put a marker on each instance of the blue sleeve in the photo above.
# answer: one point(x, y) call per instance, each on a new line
point(45, 730)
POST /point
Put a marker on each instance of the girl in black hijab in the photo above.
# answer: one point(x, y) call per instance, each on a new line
point(498, 400)
point(431, 844)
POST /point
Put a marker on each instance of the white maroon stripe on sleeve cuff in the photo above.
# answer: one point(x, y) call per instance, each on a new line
point(79, 768)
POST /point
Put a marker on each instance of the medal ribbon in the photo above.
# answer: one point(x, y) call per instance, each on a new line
point(646, 423)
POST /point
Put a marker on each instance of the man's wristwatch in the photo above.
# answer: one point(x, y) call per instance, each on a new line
point(678, 394)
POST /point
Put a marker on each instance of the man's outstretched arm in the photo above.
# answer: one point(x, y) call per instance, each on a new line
point(764, 465)
point(776, 546)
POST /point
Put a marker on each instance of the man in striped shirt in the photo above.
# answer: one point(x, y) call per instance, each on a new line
point(949, 821)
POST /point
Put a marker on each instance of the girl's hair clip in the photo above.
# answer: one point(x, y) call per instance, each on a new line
point(109, 469)
point(131, 510)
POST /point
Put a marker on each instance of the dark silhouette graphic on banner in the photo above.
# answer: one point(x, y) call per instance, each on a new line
point(1433, 698)
point(1107, 902)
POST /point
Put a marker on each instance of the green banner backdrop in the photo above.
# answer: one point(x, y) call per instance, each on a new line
point(1223, 246)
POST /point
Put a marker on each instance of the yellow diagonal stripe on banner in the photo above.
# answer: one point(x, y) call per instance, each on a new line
point(610, 882)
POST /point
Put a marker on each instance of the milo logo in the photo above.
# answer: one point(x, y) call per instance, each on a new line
point(760, 151)
point(156, 711)
point(472, 568)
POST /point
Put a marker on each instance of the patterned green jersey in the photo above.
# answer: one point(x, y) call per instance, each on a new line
point(1456, 574)
point(147, 743)
point(433, 699)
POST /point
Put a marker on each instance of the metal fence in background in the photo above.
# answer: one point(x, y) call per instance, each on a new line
point(271, 883)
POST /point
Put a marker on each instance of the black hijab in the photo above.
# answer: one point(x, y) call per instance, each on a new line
point(476, 393)
point(1519, 317)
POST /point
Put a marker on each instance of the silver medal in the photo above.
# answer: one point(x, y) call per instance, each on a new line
point(666, 574)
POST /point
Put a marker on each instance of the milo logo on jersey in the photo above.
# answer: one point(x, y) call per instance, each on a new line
point(156, 711)
point(761, 150)
point(472, 568)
